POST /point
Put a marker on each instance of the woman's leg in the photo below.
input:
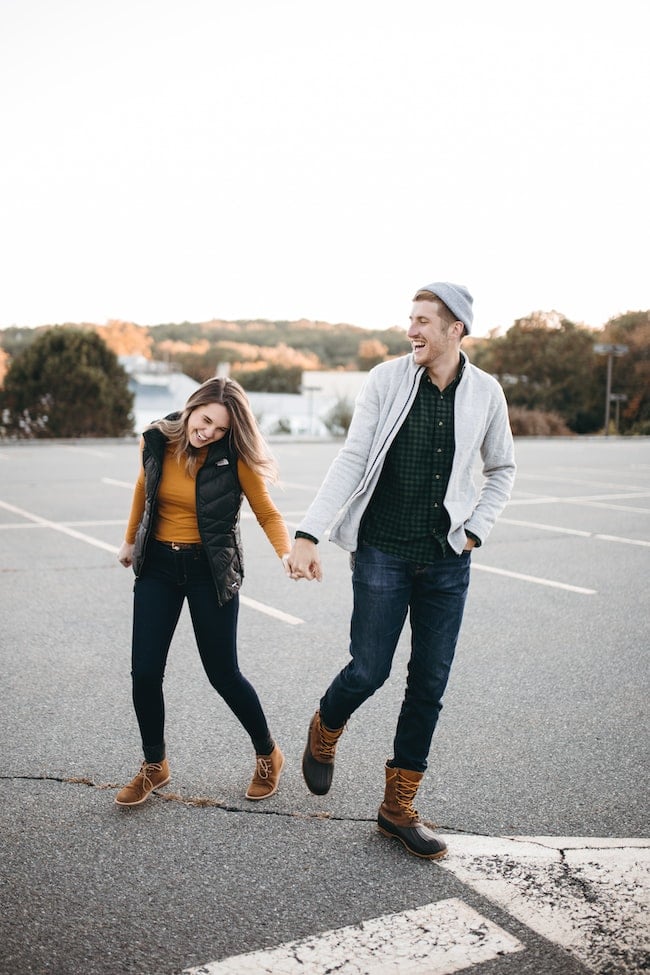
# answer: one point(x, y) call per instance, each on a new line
point(215, 628)
point(157, 603)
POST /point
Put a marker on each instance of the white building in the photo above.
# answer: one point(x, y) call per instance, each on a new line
point(159, 390)
point(304, 413)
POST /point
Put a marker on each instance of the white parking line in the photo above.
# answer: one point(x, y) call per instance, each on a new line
point(269, 610)
point(624, 541)
point(437, 939)
point(277, 614)
point(57, 527)
point(116, 483)
point(588, 895)
point(560, 530)
point(94, 451)
point(589, 502)
point(105, 546)
point(561, 479)
point(535, 579)
point(545, 528)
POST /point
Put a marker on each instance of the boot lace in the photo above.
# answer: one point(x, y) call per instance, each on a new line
point(327, 741)
point(148, 769)
point(264, 767)
point(404, 795)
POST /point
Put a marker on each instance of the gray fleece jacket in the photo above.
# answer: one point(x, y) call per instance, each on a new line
point(481, 428)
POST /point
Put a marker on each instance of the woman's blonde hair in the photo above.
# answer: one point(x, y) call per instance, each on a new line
point(244, 434)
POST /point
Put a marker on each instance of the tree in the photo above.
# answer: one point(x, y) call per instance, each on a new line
point(4, 365)
point(371, 353)
point(261, 377)
point(126, 338)
point(67, 383)
point(547, 363)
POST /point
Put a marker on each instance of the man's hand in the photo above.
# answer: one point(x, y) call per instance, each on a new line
point(303, 561)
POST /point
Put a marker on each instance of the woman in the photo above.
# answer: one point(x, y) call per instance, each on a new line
point(183, 541)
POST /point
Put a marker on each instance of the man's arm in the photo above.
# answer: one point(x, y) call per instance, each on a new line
point(497, 452)
point(349, 467)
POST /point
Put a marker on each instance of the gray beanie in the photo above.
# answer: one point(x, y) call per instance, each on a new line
point(457, 299)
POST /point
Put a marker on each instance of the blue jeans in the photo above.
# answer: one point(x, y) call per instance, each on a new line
point(386, 588)
point(167, 579)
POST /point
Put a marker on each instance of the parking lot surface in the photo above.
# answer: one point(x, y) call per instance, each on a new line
point(538, 770)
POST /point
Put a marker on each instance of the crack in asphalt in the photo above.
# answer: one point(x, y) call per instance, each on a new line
point(206, 802)
point(195, 801)
point(575, 882)
point(209, 802)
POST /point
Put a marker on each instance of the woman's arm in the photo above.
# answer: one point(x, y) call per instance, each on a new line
point(267, 515)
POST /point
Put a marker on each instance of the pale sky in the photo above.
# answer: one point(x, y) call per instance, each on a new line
point(173, 160)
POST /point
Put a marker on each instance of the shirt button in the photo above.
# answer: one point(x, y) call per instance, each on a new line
point(437, 477)
point(440, 423)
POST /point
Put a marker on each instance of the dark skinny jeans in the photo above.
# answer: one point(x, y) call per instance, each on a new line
point(167, 579)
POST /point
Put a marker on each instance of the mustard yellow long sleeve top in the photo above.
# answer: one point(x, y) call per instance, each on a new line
point(176, 505)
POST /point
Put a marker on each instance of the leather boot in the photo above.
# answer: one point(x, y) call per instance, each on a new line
point(318, 757)
point(267, 775)
point(152, 775)
point(397, 818)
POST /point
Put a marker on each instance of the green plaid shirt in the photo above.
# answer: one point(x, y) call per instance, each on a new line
point(406, 516)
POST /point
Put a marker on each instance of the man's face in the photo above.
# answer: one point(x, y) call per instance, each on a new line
point(431, 337)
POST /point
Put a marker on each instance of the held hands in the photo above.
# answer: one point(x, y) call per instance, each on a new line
point(303, 562)
point(125, 555)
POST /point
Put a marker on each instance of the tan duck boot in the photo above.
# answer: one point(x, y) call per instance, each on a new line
point(398, 819)
point(152, 775)
point(318, 757)
point(267, 775)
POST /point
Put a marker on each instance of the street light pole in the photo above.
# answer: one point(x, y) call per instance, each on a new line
point(608, 392)
point(617, 398)
point(610, 351)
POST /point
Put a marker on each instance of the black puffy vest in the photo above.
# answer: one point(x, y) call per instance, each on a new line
point(218, 503)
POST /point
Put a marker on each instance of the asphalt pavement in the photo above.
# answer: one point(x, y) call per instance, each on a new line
point(541, 747)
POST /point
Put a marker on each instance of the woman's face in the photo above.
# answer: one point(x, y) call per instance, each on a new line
point(207, 424)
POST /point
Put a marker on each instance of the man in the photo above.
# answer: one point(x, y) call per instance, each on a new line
point(401, 497)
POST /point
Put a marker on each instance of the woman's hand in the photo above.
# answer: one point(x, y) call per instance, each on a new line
point(125, 554)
